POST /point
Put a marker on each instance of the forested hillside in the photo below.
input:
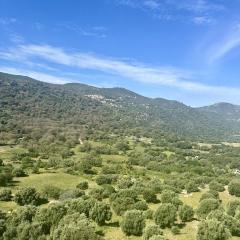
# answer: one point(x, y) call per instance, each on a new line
point(27, 104)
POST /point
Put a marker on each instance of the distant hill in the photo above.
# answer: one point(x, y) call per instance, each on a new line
point(227, 111)
point(26, 103)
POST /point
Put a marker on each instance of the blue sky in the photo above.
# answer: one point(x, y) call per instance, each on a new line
point(186, 50)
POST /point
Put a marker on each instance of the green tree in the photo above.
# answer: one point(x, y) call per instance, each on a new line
point(212, 230)
point(150, 231)
point(186, 213)
point(74, 226)
point(28, 195)
point(133, 223)
point(206, 206)
point(101, 213)
point(165, 215)
point(234, 188)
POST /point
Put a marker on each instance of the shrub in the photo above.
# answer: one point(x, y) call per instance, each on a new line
point(149, 196)
point(148, 214)
point(50, 191)
point(133, 223)
point(5, 195)
point(141, 205)
point(206, 206)
point(186, 213)
point(212, 230)
point(27, 196)
point(71, 193)
point(192, 186)
point(234, 188)
point(18, 172)
point(103, 179)
point(74, 226)
point(151, 231)
point(165, 215)
point(175, 230)
point(83, 185)
point(120, 205)
point(232, 207)
point(216, 186)
point(100, 213)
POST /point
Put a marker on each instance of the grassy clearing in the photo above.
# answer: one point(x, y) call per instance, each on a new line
point(58, 179)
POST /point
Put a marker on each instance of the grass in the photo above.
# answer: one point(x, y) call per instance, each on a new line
point(58, 179)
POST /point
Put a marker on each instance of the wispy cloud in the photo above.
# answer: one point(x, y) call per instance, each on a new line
point(37, 75)
point(6, 21)
point(223, 47)
point(94, 31)
point(198, 12)
point(166, 76)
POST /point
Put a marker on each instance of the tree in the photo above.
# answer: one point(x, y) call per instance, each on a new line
point(74, 226)
point(83, 185)
point(186, 213)
point(234, 188)
point(192, 186)
point(150, 231)
point(206, 206)
point(216, 186)
point(232, 206)
point(27, 196)
point(133, 223)
point(50, 191)
point(212, 229)
point(18, 172)
point(5, 195)
point(101, 213)
point(149, 196)
point(165, 215)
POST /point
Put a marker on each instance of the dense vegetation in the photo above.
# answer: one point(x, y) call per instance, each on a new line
point(78, 162)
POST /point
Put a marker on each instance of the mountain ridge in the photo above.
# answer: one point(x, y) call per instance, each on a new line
point(115, 109)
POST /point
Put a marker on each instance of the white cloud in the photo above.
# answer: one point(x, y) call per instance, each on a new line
point(162, 75)
point(37, 75)
point(194, 11)
point(221, 48)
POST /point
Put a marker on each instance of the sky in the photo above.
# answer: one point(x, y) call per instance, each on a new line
point(186, 50)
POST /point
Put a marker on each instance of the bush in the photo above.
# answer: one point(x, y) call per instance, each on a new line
point(27, 196)
point(5, 195)
point(74, 226)
point(120, 205)
point(141, 205)
point(192, 186)
point(103, 179)
point(18, 172)
point(83, 185)
point(151, 231)
point(100, 213)
point(186, 213)
point(206, 206)
point(216, 186)
point(148, 214)
point(50, 191)
point(212, 230)
point(229, 222)
point(165, 215)
point(234, 188)
point(232, 206)
point(133, 223)
point(175, 230)
point(71, 194)
point(149, 196)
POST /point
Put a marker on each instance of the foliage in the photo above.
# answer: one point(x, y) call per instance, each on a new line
point(165, 215)
point(212, 230)
point(100, 213)
point(133, 223)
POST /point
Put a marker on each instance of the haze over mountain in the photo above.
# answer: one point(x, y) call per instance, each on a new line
point(24, 100)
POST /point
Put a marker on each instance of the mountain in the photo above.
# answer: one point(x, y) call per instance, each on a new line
point(27, 104)
point(227, 111)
